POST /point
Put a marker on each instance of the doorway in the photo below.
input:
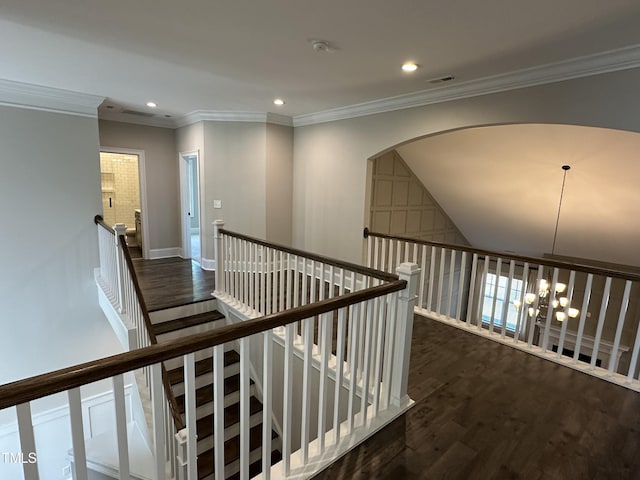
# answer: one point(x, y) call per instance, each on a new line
point(122, 188)
point(190, 200)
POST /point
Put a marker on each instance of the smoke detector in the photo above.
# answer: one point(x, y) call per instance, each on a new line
point(322, 46)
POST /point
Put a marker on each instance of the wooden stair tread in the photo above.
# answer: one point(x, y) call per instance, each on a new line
point(204, 394)
point(231, 451)
point(256, 467)
point(203, 366)
point(186, 322)
point(204, 426)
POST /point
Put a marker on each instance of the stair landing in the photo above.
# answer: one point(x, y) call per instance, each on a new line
point(173, 282)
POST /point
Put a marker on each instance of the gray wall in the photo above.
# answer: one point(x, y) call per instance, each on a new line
point(50, 192)
point(162, 176)
point(249, 168)
point(279, 183)
point(330, 159)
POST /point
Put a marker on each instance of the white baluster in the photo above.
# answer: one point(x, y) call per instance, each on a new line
point(218, 410)
point(287, 405)
point(190, 415)
point(472, 288)
point(367, 328)
point(267, 403)
point(354, 318)
point(495, 294)
point(77, 435)
point(27, 440)
point(121, 266)
point(603, 313)
point(245, 394)
point(432, 266)
point(452, 274)
point(532, 319)
point(423, 273)
point(461, 280)
point(121, 427)
point(443, 259)
point(521, 323)
point(157, 401)
point(583, 317)
point(305, 433)
point(613, 358)
point(565, 323)
point(547, 323)
point(507, 300)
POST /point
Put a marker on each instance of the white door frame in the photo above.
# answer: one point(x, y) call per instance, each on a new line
point(184, 203)
point(142, 179)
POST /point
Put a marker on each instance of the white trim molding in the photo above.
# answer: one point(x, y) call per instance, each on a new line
point(208, 264)
point(604, 62)
point(36, 97)
point(213, 116)
point(164, 253)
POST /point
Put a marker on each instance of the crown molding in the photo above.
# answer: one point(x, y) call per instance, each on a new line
point(605, 62)
point(159, 121)
point(36, 97)
point(213, 116)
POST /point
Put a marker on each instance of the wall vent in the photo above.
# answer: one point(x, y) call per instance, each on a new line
point(448, 78)
point(139, 114)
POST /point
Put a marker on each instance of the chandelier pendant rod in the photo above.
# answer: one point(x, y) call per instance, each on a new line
point(555, 232)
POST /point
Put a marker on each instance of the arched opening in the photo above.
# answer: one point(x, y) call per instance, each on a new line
point(498, 187)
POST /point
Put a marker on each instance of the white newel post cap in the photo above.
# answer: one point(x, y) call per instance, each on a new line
point(217, 225)
point(409, 272)
point(121, 229)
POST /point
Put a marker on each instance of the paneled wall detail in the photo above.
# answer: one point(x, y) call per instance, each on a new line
point(400, 204)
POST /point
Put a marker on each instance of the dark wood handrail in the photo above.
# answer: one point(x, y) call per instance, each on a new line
point(98, 220)
point(171, 399)
point(30, 389)
point(379, 274)
point(520, 258)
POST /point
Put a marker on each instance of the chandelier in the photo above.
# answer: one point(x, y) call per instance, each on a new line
point(545, 301)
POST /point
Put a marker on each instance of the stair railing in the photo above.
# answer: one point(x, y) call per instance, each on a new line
point(497, 295)
point(391, 299)
point(359, 352)
point(119, 281)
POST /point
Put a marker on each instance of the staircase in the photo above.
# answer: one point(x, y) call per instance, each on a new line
point(198, 323)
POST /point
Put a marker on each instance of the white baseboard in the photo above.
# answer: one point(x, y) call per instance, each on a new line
point(208, 264)
point(165, 253)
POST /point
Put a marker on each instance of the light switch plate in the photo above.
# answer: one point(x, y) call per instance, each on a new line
point(217, 204)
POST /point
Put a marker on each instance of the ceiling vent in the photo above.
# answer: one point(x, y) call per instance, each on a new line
point(448, 78)
point(139, 114)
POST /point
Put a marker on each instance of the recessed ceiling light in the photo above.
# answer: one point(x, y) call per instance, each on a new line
point(151, 104)
point(278, 101)
point(409, 67)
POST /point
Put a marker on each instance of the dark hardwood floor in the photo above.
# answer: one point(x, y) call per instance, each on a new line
point(171, 282)
point(486, 411)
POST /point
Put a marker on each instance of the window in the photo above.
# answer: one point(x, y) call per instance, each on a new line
point(501, 297)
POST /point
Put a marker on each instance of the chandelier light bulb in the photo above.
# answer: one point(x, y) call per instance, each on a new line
point(564, 301)
point(517, 303)
point(561, 316)
point(529, 298)
point(574, 312)
point(560, 287)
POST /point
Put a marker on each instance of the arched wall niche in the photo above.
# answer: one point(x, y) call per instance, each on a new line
point(331, 159)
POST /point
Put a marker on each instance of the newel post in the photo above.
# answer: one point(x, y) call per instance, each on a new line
point(121, 229)
point(404, 330)
point(218, 253)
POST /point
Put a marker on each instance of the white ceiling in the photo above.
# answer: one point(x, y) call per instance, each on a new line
point(239, 55)
point(501, 186)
